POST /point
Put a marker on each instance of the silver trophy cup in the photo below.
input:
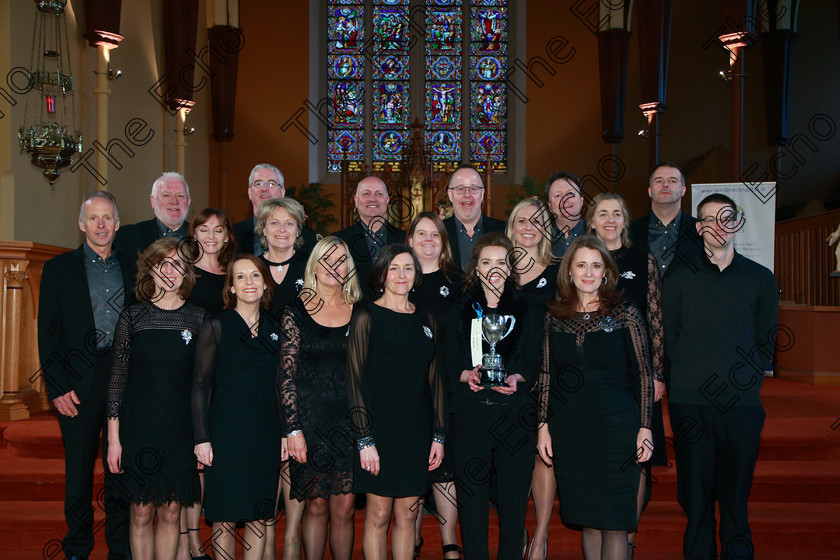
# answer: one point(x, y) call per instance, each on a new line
point(494, 328)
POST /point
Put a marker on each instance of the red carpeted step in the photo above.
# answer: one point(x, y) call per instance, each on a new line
point(773, 481)
point(35, 438)
point(28, 479)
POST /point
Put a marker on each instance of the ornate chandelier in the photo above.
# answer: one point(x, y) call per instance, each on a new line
point(50, 139)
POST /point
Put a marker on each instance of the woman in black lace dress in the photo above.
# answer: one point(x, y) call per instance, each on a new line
point(440, 288)
point(149, 428)
point(594, 425)
point(537, 268)
point(235, 406)
point(638, 278)
point(397, 404)
point(314, 393)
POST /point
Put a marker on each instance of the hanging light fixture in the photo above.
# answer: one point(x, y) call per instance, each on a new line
point(50, 139)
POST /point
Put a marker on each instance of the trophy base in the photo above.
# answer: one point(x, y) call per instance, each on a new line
point(492, 378)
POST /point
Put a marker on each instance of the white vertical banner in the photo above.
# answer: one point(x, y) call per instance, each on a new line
point(756, 240)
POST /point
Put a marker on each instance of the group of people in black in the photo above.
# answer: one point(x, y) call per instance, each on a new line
point(230, 365)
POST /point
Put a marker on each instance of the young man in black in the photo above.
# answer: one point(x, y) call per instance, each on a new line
point(721, 313)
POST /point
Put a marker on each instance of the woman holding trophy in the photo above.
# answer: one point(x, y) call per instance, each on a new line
point(491, 427)
point(593, 427)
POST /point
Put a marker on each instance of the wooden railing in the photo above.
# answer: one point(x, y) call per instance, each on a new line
point(22, 389)
point(804, 261)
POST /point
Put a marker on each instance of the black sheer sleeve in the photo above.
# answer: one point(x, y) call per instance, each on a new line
point(545, 376)
point(289, 366)
point(203, 375)
point(436, 384)
point(639, 357)
point(119, 369)
point(654, 320)
point(357, 351)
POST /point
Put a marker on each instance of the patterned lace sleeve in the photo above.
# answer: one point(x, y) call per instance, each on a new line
point(654, 319)
point(289, 365)
point(119, 369)
point(640, 360)
point(436, 384)
point(203, 375)
point(357, 349)
point(545, 377)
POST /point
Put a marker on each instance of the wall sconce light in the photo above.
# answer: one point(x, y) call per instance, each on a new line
point(189, 131)
point(112, 74)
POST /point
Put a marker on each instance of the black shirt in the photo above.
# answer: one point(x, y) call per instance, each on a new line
point(720, 330)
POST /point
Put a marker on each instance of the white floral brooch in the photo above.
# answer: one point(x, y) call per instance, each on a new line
point(186, 335)
point(274, 336)
point(608, 324)
point(629, 274)
point(444, 291)
point(299, 283)
point(542, 283)
point(428, 331)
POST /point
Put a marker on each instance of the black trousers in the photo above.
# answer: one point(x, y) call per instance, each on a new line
point(716, 453)
point(491, 438)
point(81, 443)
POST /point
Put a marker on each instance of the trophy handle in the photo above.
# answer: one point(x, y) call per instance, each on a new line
point(512, 323)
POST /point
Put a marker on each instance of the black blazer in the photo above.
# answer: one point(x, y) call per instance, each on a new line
point(490, 225)
point(245, 237)
point(354, 236)
point(133, 239)
point(689, 244)
point(67, 336)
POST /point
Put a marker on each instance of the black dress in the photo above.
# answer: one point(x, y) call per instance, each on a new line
point(397, 397)
point(241, 420)
point(149, 392)
point(436, 294)
point(207, 292)
point(586, 394)
point(639, 279)
point(286, 292)
point(314, 393)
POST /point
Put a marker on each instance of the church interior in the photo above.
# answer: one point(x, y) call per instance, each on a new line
point(734, 91)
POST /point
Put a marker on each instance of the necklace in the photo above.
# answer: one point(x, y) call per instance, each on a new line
point(281, 265)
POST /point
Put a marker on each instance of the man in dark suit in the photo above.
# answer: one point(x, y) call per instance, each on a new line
point(565, 200)
point(667, 231)
point(372, 232)
point(82, 294)
point(265, 183)
point(170, 201)
point(467, 223)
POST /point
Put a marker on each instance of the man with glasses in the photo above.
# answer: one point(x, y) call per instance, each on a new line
point(565, 200)
point(265, 183)
point(372, 232)
point(667, 231)
point(467, 223)
point(721, 313)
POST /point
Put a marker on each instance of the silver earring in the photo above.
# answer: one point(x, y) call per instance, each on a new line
point(605, 280)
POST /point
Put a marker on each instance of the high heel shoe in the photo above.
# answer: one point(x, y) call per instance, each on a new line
point(525, 546)
point(531, 548)
point(200, 556)
point(453, 548)
point(417, 548)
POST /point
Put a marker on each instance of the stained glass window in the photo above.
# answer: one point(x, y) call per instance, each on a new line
point(390, 84)
point(345, 83)
point(461, 77)
point(488, 100)
point(444, 45)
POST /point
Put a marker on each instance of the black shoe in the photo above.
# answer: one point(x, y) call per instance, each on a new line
point(77, 557)
point(452, 548)
point(417, 548)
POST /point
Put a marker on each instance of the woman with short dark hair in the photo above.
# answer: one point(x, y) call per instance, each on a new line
point(397, 403)
point(237, 424)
